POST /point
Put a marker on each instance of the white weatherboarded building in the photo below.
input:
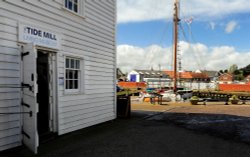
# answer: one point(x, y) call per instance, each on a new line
point(57, 67)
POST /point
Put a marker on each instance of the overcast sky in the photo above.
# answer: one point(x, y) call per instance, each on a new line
point(214, 34)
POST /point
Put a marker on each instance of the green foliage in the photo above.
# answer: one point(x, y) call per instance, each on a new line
point(233, 68)
point(234, 97)
point(221, 71)
point(239, 74)
point(245, 70)
point(239, 77)
point(194, 98)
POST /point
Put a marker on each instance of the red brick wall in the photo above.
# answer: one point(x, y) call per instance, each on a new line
point(132, 84)
point(226, 78)
point(234, 87)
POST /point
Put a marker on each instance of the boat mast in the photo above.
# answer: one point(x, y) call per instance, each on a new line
point(176, 23)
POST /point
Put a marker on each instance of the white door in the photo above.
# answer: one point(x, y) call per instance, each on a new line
point(30, 133)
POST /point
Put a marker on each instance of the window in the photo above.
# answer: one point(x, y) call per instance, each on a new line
point(72, 72)
point(75, 6)
point(72, 5)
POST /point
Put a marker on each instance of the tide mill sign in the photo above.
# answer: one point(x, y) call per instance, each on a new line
point(38, 36)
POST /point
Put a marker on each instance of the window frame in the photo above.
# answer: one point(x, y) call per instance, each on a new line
point(79, 76)
point(80, 8)
point(67, 2)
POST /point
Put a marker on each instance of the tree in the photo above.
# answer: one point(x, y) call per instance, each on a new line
point(237, 72)
point(233, 68)
point(245, 70)
point(221, 71)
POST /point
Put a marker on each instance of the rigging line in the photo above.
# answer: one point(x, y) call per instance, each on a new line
point(146, 59)
point(165, 34)
point(150, 57)
point(189, 45)
point(152, 13)
point(161, 40)
point(201, 60)
point(198, 61)
point(194, 49)
point(183, 33)
point(172, 49)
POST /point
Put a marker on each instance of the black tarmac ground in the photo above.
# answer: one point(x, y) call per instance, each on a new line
point(139, 136)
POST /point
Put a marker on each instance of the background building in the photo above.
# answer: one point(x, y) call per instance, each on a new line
point(153, 78)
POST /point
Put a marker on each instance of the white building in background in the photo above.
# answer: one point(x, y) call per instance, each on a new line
point(153, 78)
point(57, 68)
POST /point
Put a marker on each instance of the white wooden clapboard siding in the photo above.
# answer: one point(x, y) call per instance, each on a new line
point(55, 18)
point(77, 102)
point(83, 117)
point(11, 141)
point(90, 121)
point(66, 29)
point(91, 37)
point(9, 103)
point(10, 125)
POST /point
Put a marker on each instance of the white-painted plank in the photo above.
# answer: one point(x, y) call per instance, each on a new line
point(82, 45)
point(96, 64)
point(84, 109)
point(10, 140)
point(11, 145)
point(10, 109)
point(87, 118)
point(7, 22)
point(9, 81)
point(9, 125)
point(9, 51)
point(8, 43)
point(99, 69)
point(90, 122)
point(9, 58)
point(8, 29)
point(86, 51)
point(94, 82)
point(8, 96)
point(83, 116)
point(8, 36)
point(9, 132)
point(87, 87)
point(9, 103)
point(9, 66)
point(94, 91)
point(9, 73)
point(84, 103)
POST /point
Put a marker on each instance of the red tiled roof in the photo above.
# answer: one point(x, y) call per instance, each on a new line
point(199, 75)
point(187, 74)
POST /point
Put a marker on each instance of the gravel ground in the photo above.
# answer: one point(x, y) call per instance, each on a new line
point(141, 135)
point(225, 121)
point(156, 131)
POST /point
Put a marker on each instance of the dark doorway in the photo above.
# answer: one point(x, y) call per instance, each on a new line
point(43, 93)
